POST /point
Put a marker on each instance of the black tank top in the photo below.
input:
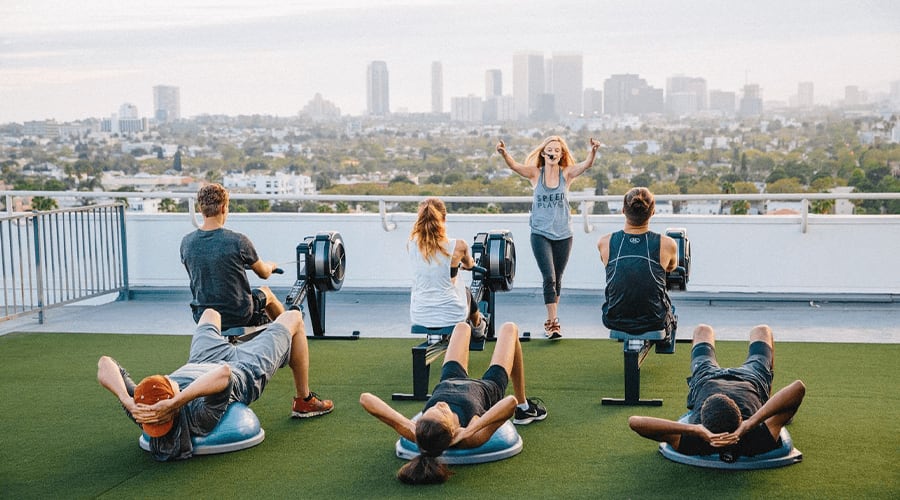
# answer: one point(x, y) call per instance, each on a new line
point(636, 297)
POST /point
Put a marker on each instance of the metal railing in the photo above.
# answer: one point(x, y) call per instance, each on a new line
point(48, 259)
point(583, 201)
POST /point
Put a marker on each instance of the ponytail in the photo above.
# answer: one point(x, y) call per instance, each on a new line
point(432, 438)
point(429, 231)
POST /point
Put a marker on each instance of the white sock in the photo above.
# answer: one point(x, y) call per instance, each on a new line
point(523, 406)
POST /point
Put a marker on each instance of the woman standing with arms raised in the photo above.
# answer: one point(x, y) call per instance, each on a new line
point(551, 169)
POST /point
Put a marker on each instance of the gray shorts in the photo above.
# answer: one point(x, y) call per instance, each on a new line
point(253, 362)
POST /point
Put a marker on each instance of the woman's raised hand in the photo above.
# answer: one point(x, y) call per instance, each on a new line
point(501, 147)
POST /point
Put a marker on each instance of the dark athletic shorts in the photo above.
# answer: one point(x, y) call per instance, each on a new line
point(494, 373)
point(757, 368)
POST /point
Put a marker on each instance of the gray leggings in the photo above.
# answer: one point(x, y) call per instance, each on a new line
point(552, 257)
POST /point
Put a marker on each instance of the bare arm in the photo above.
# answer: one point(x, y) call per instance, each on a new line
point(211, 382)
point(382, 411)
point(777, 412)
point(529, 172)
point(480, 429)
point(574, 171)
point(669, 431)
point(263, 269)
point(603, 248)
point(110, 377)
point(668, 254)
point(461, 255)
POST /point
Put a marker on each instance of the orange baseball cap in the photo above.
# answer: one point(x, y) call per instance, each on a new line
point(152, 389)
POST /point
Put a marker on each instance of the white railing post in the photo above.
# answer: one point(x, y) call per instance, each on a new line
point(387, 224)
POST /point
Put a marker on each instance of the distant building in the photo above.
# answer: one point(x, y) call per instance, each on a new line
point(277, 184)
point(528, 82)
point(685, 95)
point(499, 109)
point(166, 103)
point(629, 94)
point(722, 102)
point(466, 109)
point(126, 121)
point(493, 83)
point(377, 89)
point(320, 109)
point(437, 87)
point(44, 128)
point(566, 84)
point(805, 95)
point(592, 103)
point(751, 102)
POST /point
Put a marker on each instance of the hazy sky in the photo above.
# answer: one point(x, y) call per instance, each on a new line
point(70, 59)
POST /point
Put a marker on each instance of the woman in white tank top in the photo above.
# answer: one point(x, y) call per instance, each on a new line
point(438, 298)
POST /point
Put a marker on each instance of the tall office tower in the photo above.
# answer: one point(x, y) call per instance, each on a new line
point(685, 95)
point(528, 82)
point(166, 103)
point(805, 95)
point(567, 83)
point(630, 94)
point(437, 87)
point(751, 102)
point(493, 83)
point(377, 89)
point(722, 101)
point(592, 105)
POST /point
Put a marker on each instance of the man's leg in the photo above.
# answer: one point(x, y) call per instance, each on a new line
point(274, 307)
point(306, 403)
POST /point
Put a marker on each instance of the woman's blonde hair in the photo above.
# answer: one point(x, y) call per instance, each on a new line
point(429, 231)
point(536, 158)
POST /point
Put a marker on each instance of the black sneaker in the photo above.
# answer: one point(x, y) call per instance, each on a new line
point(535, 411)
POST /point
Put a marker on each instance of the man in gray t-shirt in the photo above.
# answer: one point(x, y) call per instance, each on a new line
point(216, 260)
point(191, 400)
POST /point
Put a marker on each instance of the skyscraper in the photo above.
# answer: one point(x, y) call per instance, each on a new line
point(377, 89)
point(166, 103)
point(528, 82)
point(493, 83)
point(437, 87)
point(567, 84)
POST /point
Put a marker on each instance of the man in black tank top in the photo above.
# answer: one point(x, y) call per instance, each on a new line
point(636, 262)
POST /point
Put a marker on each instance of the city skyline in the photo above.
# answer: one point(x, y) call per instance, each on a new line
point(72, 61)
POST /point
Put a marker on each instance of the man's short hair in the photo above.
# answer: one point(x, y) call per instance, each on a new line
point(212, 199)
point(720, 413)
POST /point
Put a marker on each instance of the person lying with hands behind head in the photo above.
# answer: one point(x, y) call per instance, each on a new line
point(462, 412)
point(732, 411)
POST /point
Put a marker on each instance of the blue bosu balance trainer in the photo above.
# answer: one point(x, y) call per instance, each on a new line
point(238, 429)
point(506, 442)
point(785, 454)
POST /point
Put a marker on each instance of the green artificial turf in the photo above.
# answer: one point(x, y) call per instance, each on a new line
point(63, 436)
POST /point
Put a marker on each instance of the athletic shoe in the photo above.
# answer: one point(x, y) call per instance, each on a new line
point(311, 406)
point(548, 325)
point(535, 411)
point(555, 330)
